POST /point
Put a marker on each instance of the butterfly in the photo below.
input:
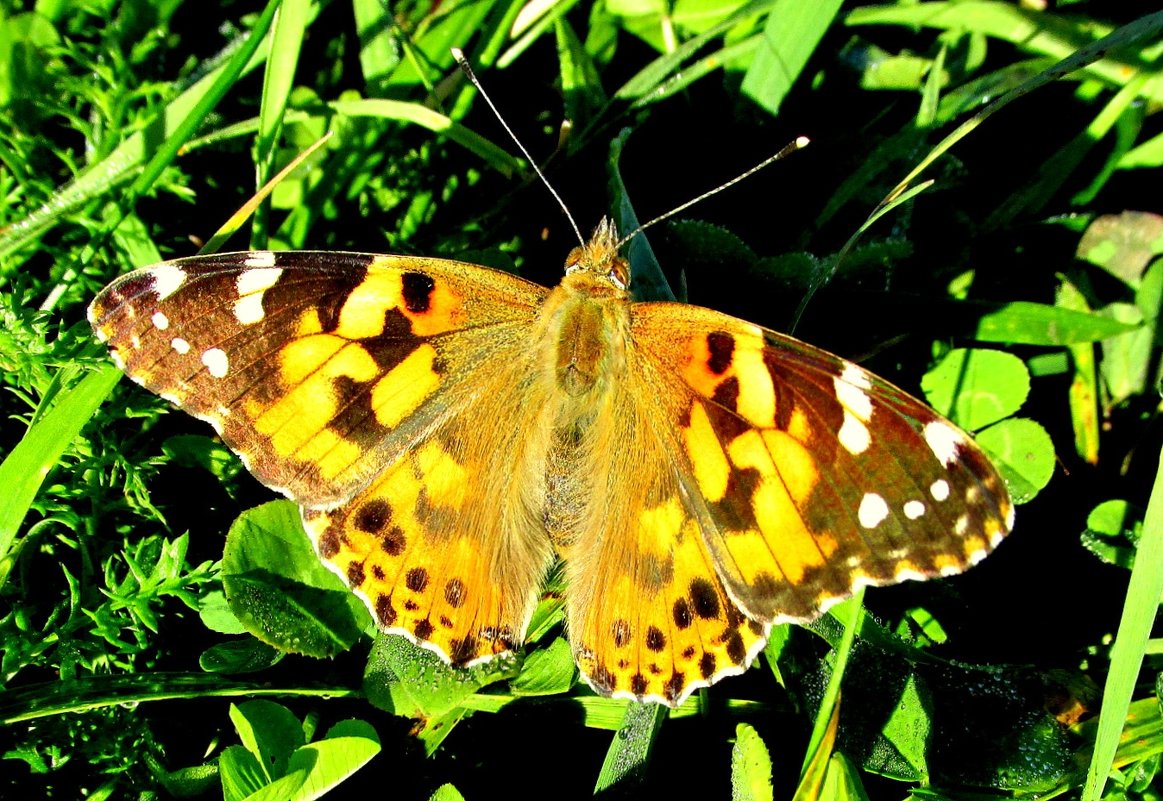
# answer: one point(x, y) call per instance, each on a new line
point(451, 431)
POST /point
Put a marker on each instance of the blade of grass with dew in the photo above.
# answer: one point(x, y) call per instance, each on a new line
point(816, 765)
point(629, 752)
point(28, 464)
point(86, 693)
point(286, 44)
point(1139, 612)
point(496, 157)
point(119, 165)
point(49, 436)
point(647, 80)
point(851, 612)
point(792, 33)
point(236, 221)
point(1134, 32)
point(1045, 34)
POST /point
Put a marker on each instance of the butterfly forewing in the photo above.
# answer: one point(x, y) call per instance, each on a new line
point(317, 368)
point(810, 476)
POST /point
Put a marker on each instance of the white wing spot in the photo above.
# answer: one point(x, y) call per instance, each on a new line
point(180, 345)
point(1010, 510)
point(853, 434)
point(944, 441)
point(855, 376)
point(260, 258)
point(259, 278)
point(251, 285)
point(914, 509)
point(850, 386)
point(134, 341)
point(973, 495)
point(939, 489)
point(216, 362)
point(961, 526)
point(248, 310)
point(167, 279)
point(160, 321)
point(873, 510)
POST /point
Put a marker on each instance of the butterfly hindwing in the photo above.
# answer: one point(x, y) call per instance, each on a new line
point(441, 545)
point(810, 476)
point(647, 614)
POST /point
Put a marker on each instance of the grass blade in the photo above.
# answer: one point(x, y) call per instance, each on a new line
point(1139, 612)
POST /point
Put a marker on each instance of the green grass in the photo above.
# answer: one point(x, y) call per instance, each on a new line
point(978, 218)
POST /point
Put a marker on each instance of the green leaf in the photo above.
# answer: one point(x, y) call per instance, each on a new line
point(750, 766)
point(1023, 452)
point(281, 592)
point(842, 781)
point(446, 792)
point(547, 671)
point(977, 387)
point(270, 732)
point(214, 611)
point(247, 655)
point(1123, 244)
point(1113, 529)
point(240, 773)
point(347, 747)
point(1025, 323)
point(908, 728)
point(411, 681)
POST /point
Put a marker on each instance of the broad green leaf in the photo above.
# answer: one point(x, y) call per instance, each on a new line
point(214, 611)
point(546, 671)
point(1113, 529)
point(403, 678)
point(1023, 452)
point(326, 763)
point(1026, 323)
point(270, 732)
point(446, 792)
point(281, 592)
point(750, 766)
point(1123, 244)
point(240, 773)
point(977, 387)
point(908, 729)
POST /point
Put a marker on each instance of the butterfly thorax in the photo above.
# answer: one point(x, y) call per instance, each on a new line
point(585, 327)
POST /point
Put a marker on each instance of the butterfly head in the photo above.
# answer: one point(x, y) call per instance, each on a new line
point(598, 260)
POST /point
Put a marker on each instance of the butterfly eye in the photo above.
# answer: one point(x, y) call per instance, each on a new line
point(619, 273)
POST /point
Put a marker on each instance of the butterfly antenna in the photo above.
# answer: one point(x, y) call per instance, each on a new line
point(462, 62)
point(800, 143)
